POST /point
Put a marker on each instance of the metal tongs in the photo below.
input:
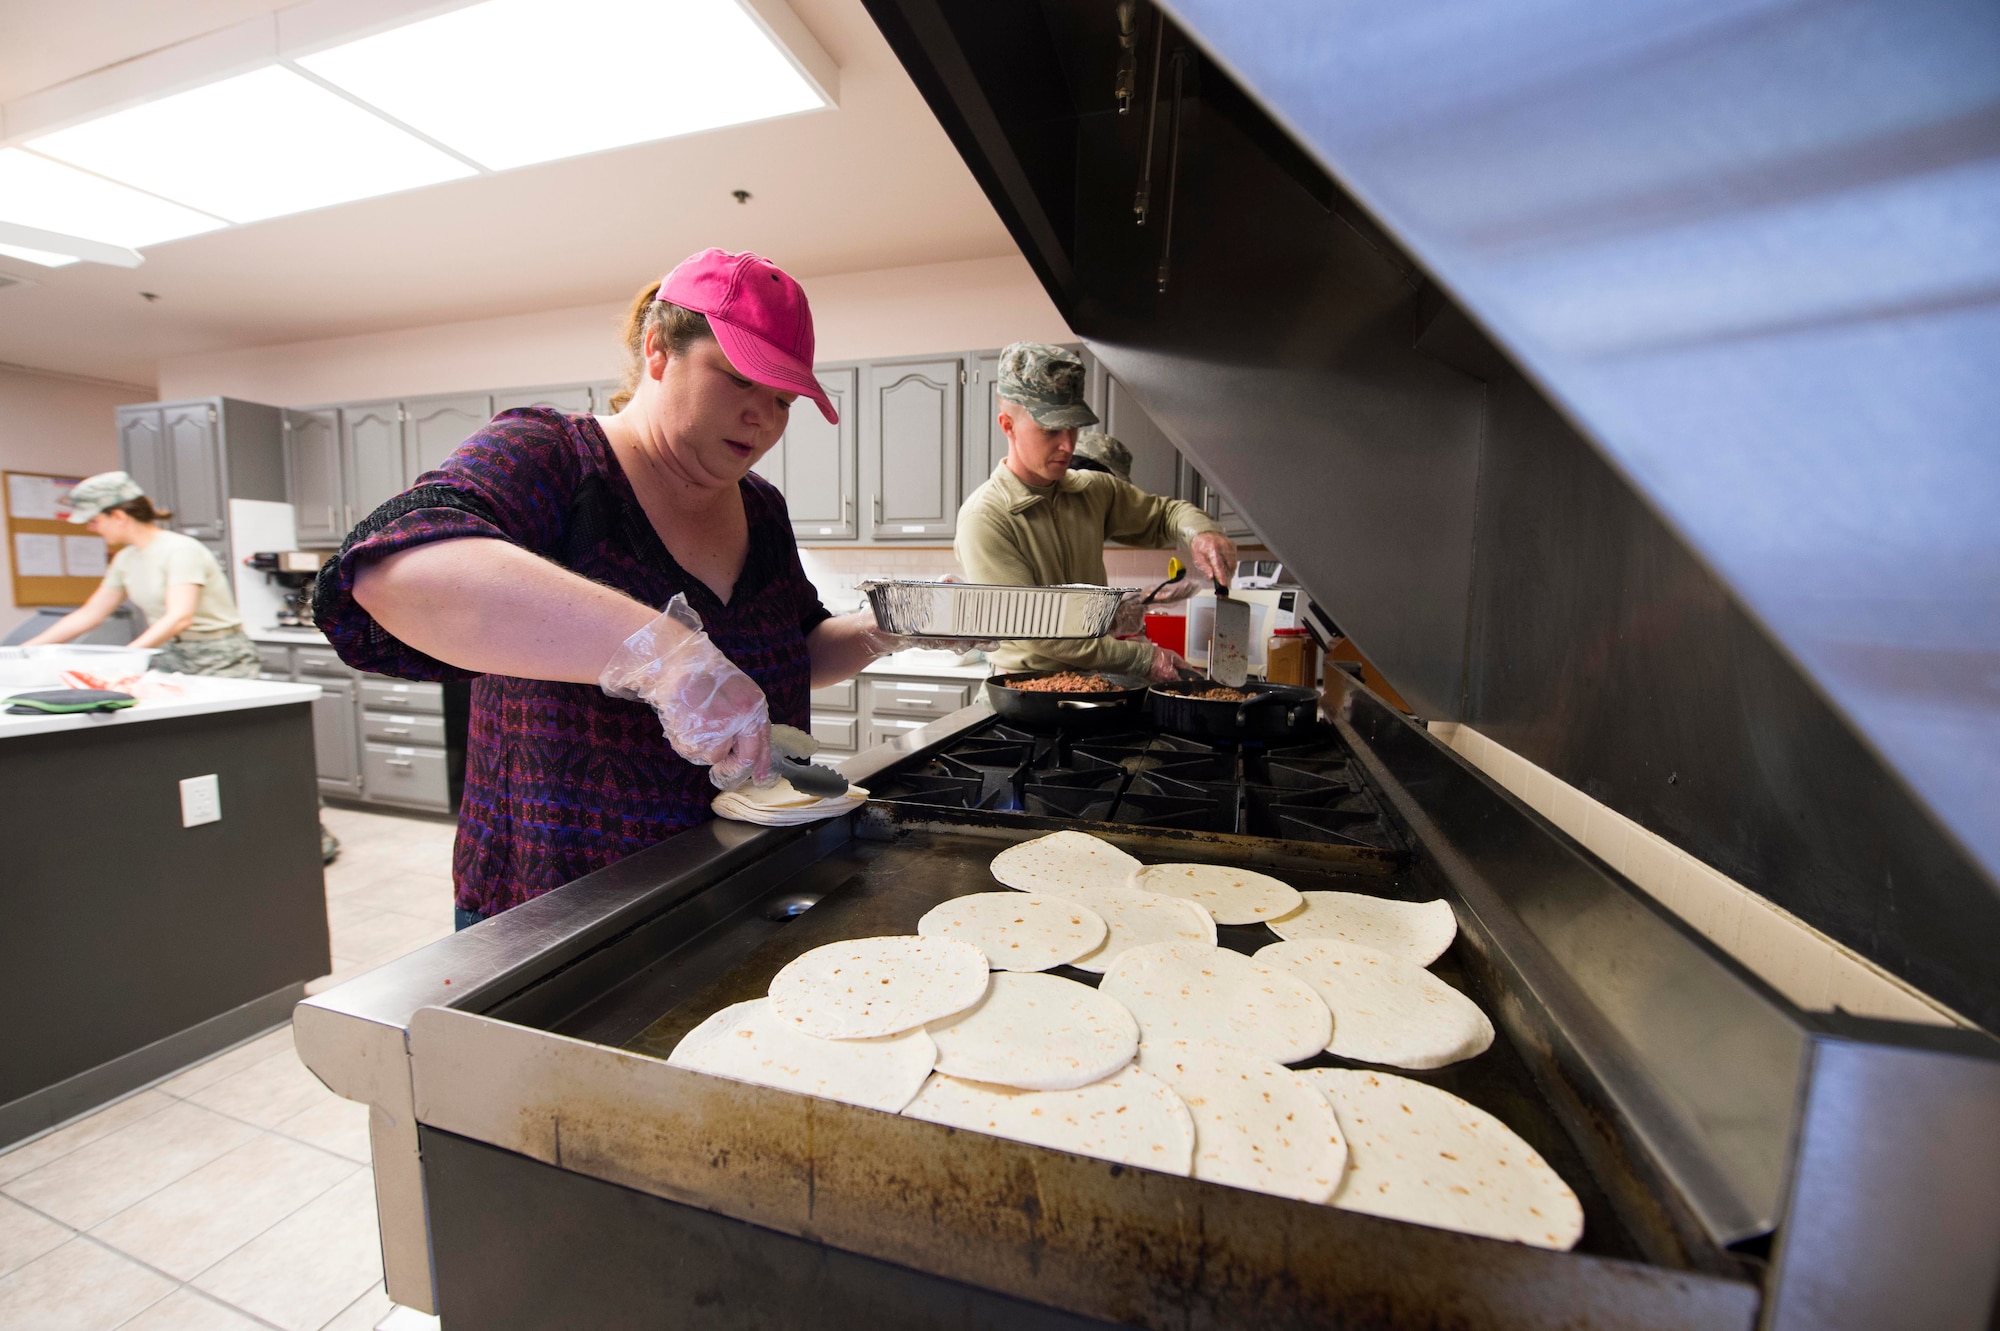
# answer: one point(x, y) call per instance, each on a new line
point(791, 751)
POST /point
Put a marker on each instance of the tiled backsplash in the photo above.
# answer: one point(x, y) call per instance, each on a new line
point(838, 571)
point(1790, 955)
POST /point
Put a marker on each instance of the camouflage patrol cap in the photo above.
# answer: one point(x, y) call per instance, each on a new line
point(107, 489)
point(1099, 447)
point(1048, 381)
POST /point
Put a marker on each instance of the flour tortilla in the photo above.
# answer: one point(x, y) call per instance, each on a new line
point(1133, 919)
point(1130, 1117)
point(748, 1042)
point(1018, 931)
point(1064, 863)
point(1385, 1010)
point(1257, 1125)
point(1417, 932)
point(1188, 991)
point(868, 987)
point(1420, 1154)
point(1037, 1033)
point(1231, 895)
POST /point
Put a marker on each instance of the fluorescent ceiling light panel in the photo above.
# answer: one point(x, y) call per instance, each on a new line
point(258, 145)
point(511, 82)
point(45, 258)
point(52, 197)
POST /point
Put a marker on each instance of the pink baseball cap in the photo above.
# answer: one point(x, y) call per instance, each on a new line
point(759, 315)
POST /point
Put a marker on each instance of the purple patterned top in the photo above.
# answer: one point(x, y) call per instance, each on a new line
point(560, 779)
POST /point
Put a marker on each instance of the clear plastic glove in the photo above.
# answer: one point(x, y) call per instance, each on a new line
point(712, 713)
point(1131, 619)
point(1214, 554)
point(1168, 666)
point(884, 643)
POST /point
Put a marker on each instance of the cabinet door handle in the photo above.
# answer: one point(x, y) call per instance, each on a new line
point(397, 730)
point(847, 513)
point(399, 762)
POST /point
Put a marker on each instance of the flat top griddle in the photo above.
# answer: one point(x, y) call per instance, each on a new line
point(883, 887)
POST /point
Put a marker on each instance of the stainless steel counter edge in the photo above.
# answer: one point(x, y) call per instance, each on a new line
point(355, 1036)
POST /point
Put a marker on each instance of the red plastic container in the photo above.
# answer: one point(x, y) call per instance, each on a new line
point(1168, 631)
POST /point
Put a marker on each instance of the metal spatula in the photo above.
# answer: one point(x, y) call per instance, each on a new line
point(1229, 640)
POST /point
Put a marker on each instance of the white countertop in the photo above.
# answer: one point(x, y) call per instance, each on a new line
point(928, 665)
point(200, 694)
point(292, 637)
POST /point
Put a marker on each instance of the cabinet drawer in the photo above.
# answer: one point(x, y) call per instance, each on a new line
point(836, 733)
point(276, 661)
point(835, 697)
point(405, 774)
point(881, 732)
point(382, 695)
point(895, 697)
point(403, 728)
point(322, 661)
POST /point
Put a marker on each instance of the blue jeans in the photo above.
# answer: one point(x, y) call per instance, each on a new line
point(465, 919)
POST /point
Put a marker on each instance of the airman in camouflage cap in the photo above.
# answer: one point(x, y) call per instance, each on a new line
point(1107, 454)
point(1048, 381)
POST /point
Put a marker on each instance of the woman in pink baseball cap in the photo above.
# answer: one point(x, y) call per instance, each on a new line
point(623, 591)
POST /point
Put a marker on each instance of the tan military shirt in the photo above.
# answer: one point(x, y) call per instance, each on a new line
point(1015, 534)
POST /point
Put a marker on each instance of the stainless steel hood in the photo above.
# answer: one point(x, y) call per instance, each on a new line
point(1621, 378)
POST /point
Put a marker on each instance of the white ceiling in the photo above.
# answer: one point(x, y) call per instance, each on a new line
point(871, 184)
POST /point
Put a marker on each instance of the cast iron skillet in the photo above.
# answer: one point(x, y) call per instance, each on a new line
point(1277, 712)
point(1074, 711)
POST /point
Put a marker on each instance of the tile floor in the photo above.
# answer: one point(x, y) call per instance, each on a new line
point(236, 1194)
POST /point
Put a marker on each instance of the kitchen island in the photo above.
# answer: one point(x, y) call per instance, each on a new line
point(161, 889)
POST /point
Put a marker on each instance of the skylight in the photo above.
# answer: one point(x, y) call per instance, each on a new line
point(259, 145)
point(46, 258)
point(485, 87)
point(512, 82)
point(39, 193)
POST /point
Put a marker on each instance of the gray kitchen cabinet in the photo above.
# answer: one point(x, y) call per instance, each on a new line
point(194, 457)
point(985, 444)
point(813, 464)
point(143, 449)
point(1156, 463)
point(571, 399)
point(600, 396)
point(336, 745)
point(910, 427)
point(1212, 502)
point(313, 483)
point(371, 448)
point(406, 774)
point(434, 426)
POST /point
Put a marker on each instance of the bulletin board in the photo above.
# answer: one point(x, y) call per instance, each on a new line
point(53, 561)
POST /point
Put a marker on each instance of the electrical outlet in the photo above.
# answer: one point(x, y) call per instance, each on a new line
point(201, 800)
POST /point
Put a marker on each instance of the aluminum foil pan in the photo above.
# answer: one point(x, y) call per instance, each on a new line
point(981, 612)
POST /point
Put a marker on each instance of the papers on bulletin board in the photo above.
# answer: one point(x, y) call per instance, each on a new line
point(37, 556)
point(37, 497)
point(84, 556)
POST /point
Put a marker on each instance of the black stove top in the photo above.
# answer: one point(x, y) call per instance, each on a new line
point(1303, 792)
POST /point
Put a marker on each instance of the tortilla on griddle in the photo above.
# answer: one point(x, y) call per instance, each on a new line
point(749, 1042)
point(1421, 1154)
point(1385, 1010)
point(1417, 931)
point(1257, 1124)
point(1018, 931)
point(1130, 1117)
point(1188, 991)
point(1231, 895)
point(867, 987)
point(1133, 919)
point(1037, 1033)
point(1063, 863)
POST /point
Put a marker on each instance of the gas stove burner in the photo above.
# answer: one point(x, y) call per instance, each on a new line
point(1304, 792)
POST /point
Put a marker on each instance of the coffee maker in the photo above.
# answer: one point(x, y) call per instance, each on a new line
point(295, 571)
